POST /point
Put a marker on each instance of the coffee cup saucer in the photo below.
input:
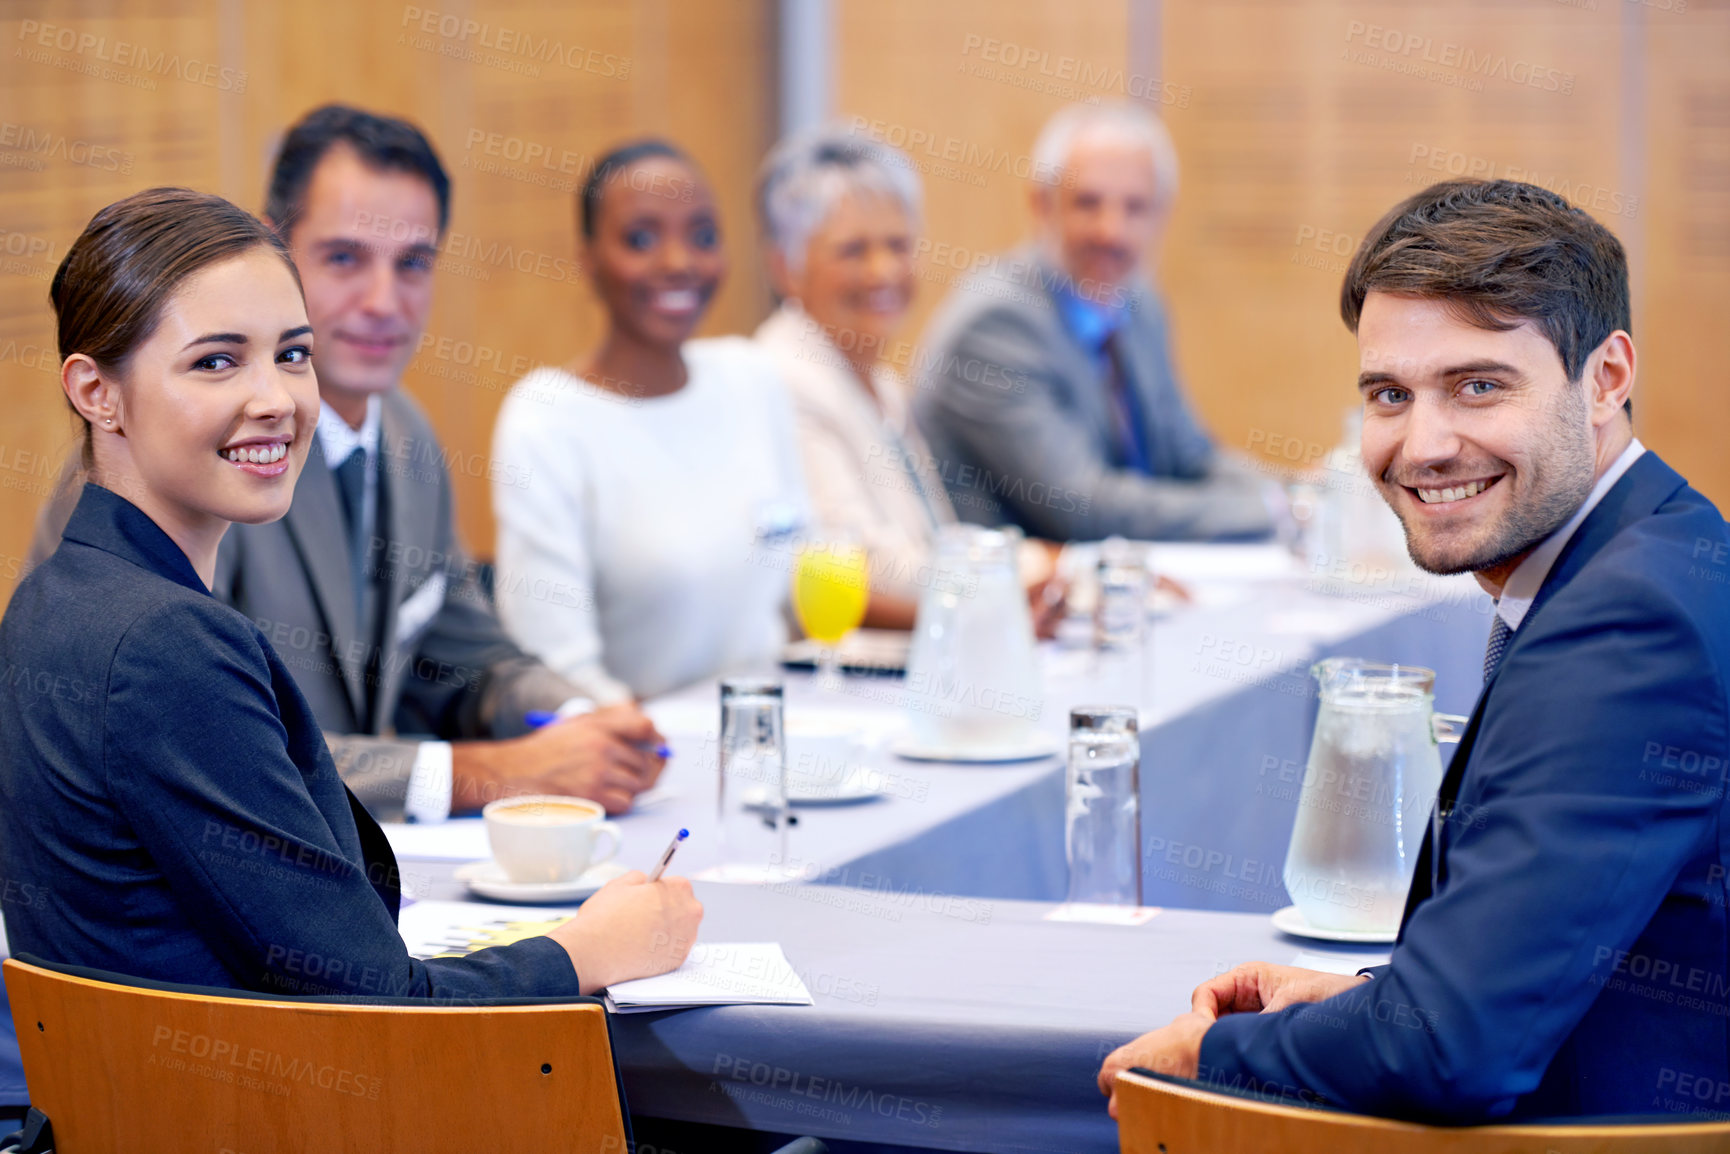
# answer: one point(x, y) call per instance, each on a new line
point(488, 879)
point(1036, 747)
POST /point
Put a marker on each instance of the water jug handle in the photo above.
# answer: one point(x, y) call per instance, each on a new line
point(1448, 727)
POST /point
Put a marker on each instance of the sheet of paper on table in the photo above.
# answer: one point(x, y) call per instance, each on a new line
point(459, 839)
point(716, 974)
point(455, 929)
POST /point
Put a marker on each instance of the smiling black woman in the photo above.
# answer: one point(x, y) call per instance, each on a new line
point(651, 550)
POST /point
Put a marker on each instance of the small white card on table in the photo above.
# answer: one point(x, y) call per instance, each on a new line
point(1103, 915)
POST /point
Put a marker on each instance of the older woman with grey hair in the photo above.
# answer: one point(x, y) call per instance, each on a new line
point(840, 214)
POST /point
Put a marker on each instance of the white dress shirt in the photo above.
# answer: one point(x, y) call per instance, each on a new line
point(1528, 576)
point(870, 473)
point(644, 543)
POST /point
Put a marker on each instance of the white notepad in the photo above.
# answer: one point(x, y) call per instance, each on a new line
point(716, 974)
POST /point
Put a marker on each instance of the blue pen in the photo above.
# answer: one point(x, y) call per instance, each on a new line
point(661, 866)
point(536, 718)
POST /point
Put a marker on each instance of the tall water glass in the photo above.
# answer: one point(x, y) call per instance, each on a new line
point(1102, 818)
point(1119, 620)
point(752, 761)
point(1121, 608)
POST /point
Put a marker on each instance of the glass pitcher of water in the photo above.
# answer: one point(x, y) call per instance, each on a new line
point(1368, 789)
point(973, 669)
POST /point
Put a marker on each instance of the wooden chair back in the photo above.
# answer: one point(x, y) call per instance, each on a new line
point(1159, 1117)
point(119, 1067)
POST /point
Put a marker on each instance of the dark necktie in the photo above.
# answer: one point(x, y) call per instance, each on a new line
point(1127, 436)
point(368, 578)
point(351, 484)
point(1499, 634)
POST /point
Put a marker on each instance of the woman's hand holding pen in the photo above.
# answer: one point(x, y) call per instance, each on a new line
point(631, 928)
point(608, 756)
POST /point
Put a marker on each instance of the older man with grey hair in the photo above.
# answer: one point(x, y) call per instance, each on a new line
point(1046, 388)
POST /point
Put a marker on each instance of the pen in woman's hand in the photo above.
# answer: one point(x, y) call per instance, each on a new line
point(672, 847)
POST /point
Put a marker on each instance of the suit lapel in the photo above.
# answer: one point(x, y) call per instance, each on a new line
point(411, 518)
point(1647, 484)
point(1450, 790)
point(315, 523)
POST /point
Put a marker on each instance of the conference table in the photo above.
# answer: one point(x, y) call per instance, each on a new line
point(949, 1013)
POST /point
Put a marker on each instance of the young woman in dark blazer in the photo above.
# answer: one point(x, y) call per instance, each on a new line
point(165, 793)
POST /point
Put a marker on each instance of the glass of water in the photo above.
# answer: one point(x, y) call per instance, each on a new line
point(752, 813)
point(1102, 820)
point(1121, 609)
point(1119, 621)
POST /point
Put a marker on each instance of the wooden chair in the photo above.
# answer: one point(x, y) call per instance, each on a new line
point(125, 1065)
point(1161, 1115)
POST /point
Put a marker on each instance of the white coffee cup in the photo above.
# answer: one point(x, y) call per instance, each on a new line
point(548, 838)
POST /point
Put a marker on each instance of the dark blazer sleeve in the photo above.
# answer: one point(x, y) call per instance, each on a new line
point(197, 757)
point(998, 396)
point(1564, 859)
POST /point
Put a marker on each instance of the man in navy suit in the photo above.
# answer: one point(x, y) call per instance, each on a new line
point(1564, 945)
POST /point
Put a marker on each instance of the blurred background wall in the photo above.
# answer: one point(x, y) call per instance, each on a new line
point(1298, 122)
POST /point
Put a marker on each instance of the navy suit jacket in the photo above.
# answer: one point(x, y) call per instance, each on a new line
point(1570, 957)
point(168, 806)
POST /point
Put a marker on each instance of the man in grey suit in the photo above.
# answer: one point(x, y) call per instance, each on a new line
point(1046, 388)
point(363, 588)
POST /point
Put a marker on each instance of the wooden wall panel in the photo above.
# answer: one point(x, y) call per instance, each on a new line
point(95, 102)
point(1298, 122)
point(1303, 134)
point(1681, 333)
point(964, 88)
point(497, 102)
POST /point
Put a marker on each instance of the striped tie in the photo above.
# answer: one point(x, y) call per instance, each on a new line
point(1499, 634)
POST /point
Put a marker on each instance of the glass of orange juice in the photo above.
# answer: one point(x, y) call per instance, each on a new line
point(831, 585)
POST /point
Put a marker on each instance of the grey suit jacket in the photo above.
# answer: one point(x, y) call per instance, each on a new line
point(1018, 421)
point(445, 668)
